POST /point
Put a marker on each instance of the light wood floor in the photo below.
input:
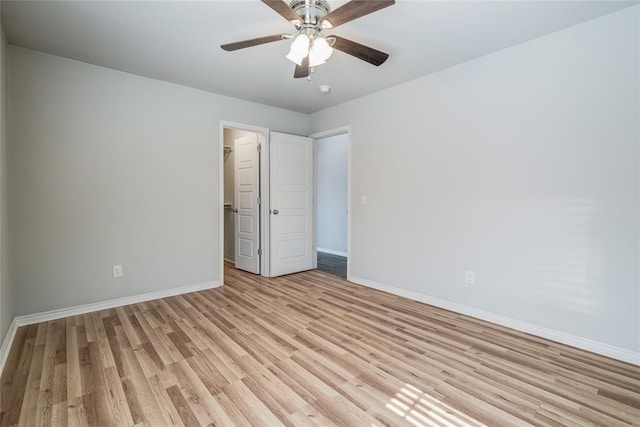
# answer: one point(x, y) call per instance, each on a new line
point(306, 349)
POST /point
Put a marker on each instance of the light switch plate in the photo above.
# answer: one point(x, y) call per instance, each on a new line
point(117, 271)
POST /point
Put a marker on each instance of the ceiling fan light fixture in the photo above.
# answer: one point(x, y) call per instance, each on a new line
point(315, 61)
point(321, 48)
point(299, 49)
point(320, 51)
point(296, 59)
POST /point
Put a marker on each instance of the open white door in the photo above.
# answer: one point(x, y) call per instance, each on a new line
point(291, 204)
point(247, 181)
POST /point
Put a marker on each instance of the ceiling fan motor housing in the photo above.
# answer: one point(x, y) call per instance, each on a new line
point(311, 11)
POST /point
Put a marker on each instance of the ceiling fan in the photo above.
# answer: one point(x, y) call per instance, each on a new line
point(310, 17)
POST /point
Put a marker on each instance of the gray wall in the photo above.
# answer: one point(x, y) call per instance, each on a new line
point(112, 168)
point(332, 197)
point(6, 291)
point(523, 166)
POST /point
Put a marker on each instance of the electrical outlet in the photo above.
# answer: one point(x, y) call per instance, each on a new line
point(470, 277)
point(363, 200)
point(117, 271)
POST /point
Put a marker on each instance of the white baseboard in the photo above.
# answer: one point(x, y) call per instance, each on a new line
point(47, 316)
point(6, 344)
point(332, 252)
point(551, 334)
point(229, 259)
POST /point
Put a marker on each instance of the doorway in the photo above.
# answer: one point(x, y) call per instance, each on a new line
point(277, 189)
point(241, 185)
point(332, 201)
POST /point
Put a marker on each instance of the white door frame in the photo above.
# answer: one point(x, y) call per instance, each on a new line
point(264, 192)
point(316, 136)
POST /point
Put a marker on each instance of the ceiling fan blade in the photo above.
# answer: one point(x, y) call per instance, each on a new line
point(303, 69)
point(360, 51)
point(252, 42)
point(284, 10)
point(353, 10)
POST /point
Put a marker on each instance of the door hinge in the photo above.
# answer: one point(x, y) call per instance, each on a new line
point(259, 148)
point(259, 200)
point(259, 251)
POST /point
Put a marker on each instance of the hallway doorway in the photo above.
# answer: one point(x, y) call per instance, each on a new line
point(332, 202)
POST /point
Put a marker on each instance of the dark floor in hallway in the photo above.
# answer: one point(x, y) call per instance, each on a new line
point(332, 264)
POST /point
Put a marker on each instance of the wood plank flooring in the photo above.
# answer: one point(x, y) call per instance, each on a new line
point(305, 349)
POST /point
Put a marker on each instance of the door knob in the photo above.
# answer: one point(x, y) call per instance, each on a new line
point(275, 211)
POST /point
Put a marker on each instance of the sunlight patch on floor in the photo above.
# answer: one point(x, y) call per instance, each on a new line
point(422, 410)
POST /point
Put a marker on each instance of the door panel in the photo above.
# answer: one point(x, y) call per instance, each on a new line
point(291, 203)
point(247, 180)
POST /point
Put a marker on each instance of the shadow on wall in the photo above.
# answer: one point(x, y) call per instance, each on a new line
point(566, 260)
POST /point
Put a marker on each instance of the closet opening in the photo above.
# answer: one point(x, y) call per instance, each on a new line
point(242, 215)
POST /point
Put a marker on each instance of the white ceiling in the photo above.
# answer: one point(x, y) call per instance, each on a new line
point(178, 41)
